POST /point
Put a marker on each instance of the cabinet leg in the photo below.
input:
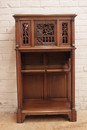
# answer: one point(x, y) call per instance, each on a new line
point(19, 116)
point(23, 117)
point(72, 116)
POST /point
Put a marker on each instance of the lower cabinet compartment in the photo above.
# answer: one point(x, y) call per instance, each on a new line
point(46, 83)
point(34, 84)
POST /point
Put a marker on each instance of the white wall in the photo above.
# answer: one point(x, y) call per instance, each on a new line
point(8, 88)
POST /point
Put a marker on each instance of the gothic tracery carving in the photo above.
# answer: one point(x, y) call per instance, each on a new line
point(25, 33)
point(64, 32)
point(44, 33)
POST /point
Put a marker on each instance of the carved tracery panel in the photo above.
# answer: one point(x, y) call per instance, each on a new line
point(25, 25)
point(25, 33)
point(45, 32)
point(64, 32)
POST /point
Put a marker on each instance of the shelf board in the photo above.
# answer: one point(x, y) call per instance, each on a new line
point(58, 70)
point(45, 49)
point(45, 70)
point(41, 107)
point(32, 71)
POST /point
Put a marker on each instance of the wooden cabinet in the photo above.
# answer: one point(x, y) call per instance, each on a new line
point(45, 57)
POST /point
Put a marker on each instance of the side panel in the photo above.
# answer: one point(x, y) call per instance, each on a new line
point(64, 33)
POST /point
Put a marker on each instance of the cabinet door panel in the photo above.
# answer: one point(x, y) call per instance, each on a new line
point(32, 86)
point(57, 85)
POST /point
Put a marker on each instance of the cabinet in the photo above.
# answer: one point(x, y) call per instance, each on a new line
point(45, 58)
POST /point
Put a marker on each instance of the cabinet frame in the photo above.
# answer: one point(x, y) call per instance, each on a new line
point(47, 106)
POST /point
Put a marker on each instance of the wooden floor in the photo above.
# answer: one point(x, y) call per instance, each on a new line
point(8, 122)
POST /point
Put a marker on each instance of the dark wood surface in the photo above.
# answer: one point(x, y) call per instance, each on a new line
point(42, 15)
point(45, 58)
point(45, 107)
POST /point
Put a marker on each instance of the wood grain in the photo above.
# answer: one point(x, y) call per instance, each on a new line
point(45, 72)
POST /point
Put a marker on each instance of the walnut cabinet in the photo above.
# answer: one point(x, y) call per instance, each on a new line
point(45, 58)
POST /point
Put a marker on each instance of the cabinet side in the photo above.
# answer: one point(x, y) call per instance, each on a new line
point(18, 69)
point(73, 73)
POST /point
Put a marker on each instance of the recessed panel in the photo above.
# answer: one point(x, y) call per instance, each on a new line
point(56, 84)
point(32, 86)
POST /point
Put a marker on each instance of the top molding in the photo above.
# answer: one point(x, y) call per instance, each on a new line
point(41, 15)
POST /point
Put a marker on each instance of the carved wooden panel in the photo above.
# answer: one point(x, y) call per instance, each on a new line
point(65, 33)
point(25, 26)
point(25, 33)
point(45, 32)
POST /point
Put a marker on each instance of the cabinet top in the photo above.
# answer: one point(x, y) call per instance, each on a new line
point(45, 30)
point(42, 15)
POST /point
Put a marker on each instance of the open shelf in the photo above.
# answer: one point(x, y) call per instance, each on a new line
point(42, 107)
point(55, 61)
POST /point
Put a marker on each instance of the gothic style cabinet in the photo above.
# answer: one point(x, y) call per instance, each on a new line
point(45, 57)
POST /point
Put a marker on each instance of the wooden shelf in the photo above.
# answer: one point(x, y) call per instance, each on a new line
point(58, 70)
point(45, 49)
point(32, 71)
point(43, 107)
point(45, 70)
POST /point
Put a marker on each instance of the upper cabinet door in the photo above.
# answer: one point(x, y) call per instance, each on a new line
point(64, 33)
point(25, 33)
